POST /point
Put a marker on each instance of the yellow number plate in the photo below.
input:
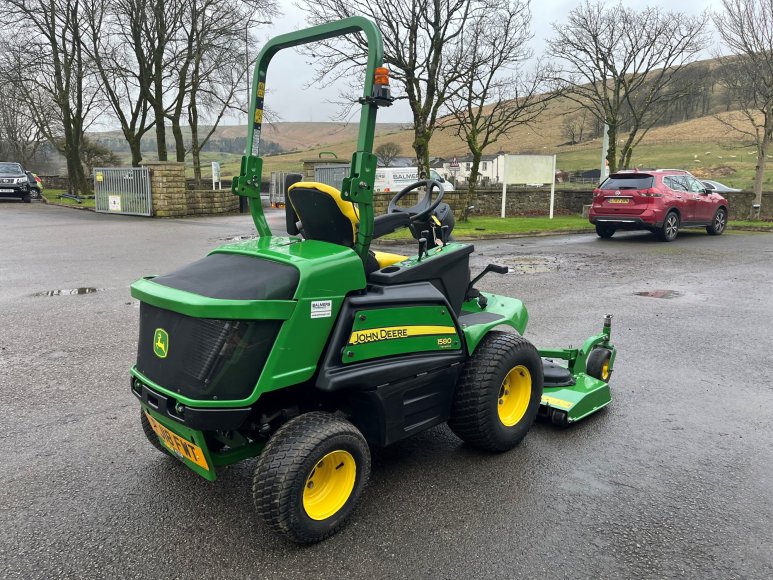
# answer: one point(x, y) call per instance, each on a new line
point(178, 445)
point(619, 200)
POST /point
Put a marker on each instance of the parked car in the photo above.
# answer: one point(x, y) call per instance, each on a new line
point(36, 185)
point(717, 186)
point(662, 201)
point(14, 182)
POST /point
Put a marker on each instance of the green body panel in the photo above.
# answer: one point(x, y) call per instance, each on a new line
point(512, 310)
point(199, 306)
point(580, 400)
point(358, 187)
point(214, 459)
point(589, 394)
point(195, 437)
point(392, 331)
point(328, 272)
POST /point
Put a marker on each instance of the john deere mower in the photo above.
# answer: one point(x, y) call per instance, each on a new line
point(306, 350)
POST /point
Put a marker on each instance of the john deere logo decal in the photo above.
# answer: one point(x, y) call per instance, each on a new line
point(161, 343)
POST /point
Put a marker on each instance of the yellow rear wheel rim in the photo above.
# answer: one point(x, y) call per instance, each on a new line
point(514, 396)
point(329, 485)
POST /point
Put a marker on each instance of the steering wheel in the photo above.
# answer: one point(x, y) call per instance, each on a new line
point(422, 210)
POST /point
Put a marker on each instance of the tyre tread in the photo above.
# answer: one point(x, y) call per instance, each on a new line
point(470, 415)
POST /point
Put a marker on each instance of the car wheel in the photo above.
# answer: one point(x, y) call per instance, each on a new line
point(605, 232)
point(670, 227)
point(718, 223)
point(310, 476)
point(499, 393)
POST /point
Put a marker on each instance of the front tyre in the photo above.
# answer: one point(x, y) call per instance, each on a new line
point(498, 394)
point(718, 224)
point(597, 364)
point(310, 476)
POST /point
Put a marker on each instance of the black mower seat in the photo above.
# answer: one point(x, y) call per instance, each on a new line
point(326, 217)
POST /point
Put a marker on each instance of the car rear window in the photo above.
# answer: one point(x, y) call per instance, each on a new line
point(626, 181)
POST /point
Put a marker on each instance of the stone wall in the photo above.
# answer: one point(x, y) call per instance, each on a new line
point(172, 199)
point(167, 186)
point(524, 201)
point(211, 202)
point(520, 201)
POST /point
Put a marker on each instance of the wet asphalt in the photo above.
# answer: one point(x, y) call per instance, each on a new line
point(673, 479)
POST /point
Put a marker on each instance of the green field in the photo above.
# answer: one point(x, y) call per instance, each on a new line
point(729, 163)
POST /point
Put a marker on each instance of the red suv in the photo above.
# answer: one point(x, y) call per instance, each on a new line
point(661, 201)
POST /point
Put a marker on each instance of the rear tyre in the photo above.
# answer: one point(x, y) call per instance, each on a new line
point(597, 365)
point(670, 228)
point(310, 476)
point(718, 224)
point(150, 434)
point(498, 394)
point(605, 232)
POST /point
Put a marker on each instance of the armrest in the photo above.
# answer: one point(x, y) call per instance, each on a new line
point(387, 223)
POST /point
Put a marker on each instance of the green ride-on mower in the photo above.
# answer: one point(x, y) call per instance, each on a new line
point(306, 350)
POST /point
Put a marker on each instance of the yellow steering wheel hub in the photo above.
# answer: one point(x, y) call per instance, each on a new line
point(514, 395)
point(329, 485)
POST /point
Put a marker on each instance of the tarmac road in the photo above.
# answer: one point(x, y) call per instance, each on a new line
point(674, 479)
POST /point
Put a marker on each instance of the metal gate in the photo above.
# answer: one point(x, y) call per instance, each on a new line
point(124, 190)
point(332, 175)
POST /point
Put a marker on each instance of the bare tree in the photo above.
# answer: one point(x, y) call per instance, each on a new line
point(216, 70)
point(67, 96)
point(493, 94)
point(622, 65)
point(420, 47)
point(387, 152)
point(114, 43)
point(746, 28)
point(20, 136)
point(575, 126)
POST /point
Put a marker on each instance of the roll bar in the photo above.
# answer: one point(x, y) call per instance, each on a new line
point(358, 187)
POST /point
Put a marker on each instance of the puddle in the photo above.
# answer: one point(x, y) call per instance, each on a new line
point(659, 294)
point(68, 291)
point(533, 264)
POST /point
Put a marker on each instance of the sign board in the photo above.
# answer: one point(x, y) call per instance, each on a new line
point(114, 203)
point(529, 170)
point(216, 175)
point(100, 176)
point(454, 165)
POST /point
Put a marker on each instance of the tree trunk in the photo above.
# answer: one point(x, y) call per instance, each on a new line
point(158, 110)
point(472, 185)
point(135, 147)
point(421, 147)
point(193, 121)
point(759, 173)
point(612, 147)
point(179, 142)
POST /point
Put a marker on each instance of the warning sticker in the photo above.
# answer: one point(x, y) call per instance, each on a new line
point(321, 308)
point(114, 203)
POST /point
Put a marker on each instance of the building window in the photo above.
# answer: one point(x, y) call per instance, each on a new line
point(468, 166)
point(485, 165)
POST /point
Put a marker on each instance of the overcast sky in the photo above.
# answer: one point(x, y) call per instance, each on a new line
point(289, 71)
